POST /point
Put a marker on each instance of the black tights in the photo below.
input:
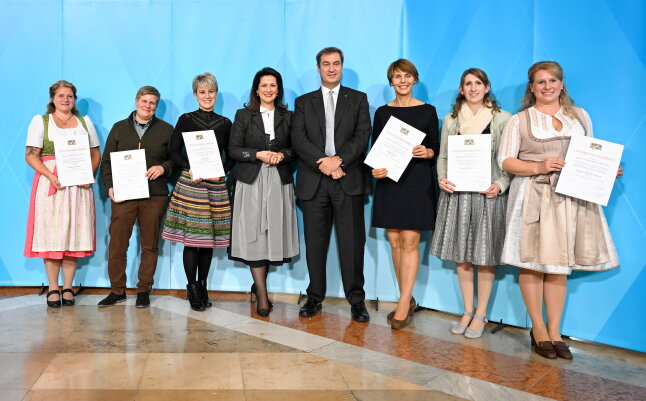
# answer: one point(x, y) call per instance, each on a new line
point(259, 274)
point(197, 262)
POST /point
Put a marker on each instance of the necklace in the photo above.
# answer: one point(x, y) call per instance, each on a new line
point(63, 122)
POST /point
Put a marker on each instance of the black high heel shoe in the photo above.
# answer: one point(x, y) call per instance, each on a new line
point(259, 311)
point(195, 297)
point(204, 294)
point(252, 292)
point(54, 304)
point(68, 302)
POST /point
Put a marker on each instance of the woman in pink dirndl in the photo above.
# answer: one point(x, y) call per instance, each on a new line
point(61, 225)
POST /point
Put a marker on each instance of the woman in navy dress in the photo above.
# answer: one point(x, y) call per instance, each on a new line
point(407, 207)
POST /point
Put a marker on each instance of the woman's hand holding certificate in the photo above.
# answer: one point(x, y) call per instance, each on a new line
point(393, 150)
point(591, 167)
point(469, 162)
point(73, 162)
point(203, 154)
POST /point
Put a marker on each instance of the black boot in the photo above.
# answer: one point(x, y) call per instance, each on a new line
point(194, 296)
point(205, 294)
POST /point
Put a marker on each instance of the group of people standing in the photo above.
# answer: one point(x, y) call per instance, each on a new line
point(530, 226)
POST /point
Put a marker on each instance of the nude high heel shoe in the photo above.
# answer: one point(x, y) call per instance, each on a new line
point(470, 333)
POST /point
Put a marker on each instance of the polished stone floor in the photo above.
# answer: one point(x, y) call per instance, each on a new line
point(168, 352)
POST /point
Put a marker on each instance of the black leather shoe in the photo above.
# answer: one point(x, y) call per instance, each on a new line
point(360, 313)
point(54, 304)
point(310, 308)
point(143, 300)
point(68, 302)
point(112, 299)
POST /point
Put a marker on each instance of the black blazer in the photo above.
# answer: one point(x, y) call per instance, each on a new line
point(351, 134)
point(248, 137)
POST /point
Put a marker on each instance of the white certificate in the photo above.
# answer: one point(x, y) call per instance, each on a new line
point(469, 162)
point(394, 147)
point(73, 161)
point(129, 174)
point(203, 154)
point(590, 169)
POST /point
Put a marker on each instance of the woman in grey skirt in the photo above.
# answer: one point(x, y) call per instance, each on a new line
point(264, 230)
point(470, 226)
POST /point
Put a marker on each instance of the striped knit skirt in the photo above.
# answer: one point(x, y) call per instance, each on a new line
point(470, 228)
point(199, 214)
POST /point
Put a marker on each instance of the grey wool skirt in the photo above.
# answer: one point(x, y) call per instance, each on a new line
point(264, 225)
point(470, 228)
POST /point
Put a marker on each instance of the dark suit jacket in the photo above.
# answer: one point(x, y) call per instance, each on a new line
point(123, 136)
point(351, 134)
point(248, 137)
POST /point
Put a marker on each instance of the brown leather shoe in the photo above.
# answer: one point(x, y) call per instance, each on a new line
point(412, 306)
point(562, 350)
point(543, 348)
point(411, 310)
point(400, 324)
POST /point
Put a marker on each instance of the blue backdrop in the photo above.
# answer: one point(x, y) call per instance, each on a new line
point(108, 49)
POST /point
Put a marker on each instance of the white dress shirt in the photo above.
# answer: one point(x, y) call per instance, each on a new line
point(335, 95)
point(268, 122)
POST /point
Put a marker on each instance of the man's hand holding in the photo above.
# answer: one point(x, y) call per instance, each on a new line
point(329, 164)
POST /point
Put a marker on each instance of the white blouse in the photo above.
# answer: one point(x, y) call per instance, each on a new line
point(542, 128)
point(36, 131)
point(268, 122)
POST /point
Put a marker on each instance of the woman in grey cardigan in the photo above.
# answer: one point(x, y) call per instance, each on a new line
point(264, 230)
point(470, 226)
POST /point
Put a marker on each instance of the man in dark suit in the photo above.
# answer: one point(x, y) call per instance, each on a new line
point(330, 132)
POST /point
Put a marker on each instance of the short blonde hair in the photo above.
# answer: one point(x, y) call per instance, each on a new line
point(207, 80)
point(148, 90)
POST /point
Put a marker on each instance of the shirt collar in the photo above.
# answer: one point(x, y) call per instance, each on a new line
point(134, 120)
point(326, 90)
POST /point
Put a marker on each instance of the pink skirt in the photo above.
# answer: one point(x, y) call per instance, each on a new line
point(60, 223)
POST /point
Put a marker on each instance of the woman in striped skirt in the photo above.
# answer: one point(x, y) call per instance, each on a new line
point(199, 213)
point(470, 226)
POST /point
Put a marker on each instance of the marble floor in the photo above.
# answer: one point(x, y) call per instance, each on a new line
point(169, 352)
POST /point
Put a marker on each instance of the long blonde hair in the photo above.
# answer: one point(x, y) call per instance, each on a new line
point(52, 92)
point(555, 69)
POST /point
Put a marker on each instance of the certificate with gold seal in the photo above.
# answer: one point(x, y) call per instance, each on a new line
point(590, 169)
point(73, 161)
point(129, 174)
point(469, 162)
point(203, 154)
point(393, 149)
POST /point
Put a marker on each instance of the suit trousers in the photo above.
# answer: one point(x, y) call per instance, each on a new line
point(148, 213)
point(331, 205)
